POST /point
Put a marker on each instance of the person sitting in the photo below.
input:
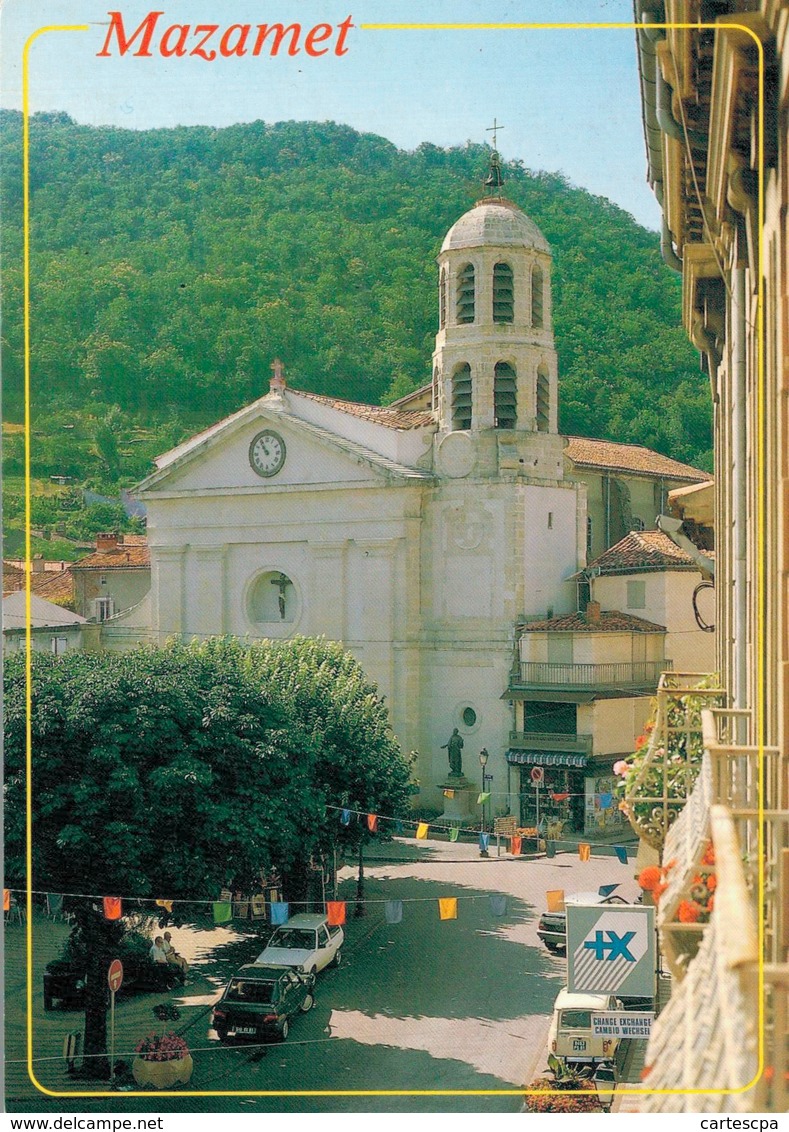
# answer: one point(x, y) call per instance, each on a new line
point(157, 954)
point(172, 956)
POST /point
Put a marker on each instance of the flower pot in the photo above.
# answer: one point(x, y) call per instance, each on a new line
point(162, 1074)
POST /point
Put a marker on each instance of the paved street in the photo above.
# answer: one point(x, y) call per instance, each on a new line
point(421, 1005)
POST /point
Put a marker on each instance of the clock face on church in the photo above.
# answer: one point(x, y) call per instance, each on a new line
point(267, 453)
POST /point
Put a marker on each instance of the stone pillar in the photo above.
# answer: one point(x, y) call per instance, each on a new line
point(167, 586)
point(330, 582)
point(205, 591)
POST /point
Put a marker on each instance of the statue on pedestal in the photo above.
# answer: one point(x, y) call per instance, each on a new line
point(454, 747)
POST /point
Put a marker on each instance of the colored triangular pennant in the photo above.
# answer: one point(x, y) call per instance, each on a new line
point(584, 850)
point(166, 904)
point(112, 908)
point(554, 900)
point(483, 797)
point(393, 910)
point(453, 833)
point(223, 911)
point(280, 911)
point(606, 801)
point(448, 908)
point(550, 848)
point(484, 842)
point(449, 793)
point(516, 844)
point(421, 830)
point(372, 822)
point(498, 903)
point(345, 817)
point(398, 827)
point(6, 899)
point(335, 912)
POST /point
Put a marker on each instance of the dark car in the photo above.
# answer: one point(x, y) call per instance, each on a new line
point(64, 981)
point(259, 1002)
point(552, 928)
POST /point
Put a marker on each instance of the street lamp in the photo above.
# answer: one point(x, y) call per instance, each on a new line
point(483, 762)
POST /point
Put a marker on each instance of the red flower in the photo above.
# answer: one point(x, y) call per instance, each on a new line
point(658, 891)
point(650, 877)
point(709, 855)
point(688, 912)
point(712, 882)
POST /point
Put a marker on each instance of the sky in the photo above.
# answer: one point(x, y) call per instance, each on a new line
point(568, 99)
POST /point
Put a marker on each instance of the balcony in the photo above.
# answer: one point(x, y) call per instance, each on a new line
point(589, 681)
point(544, 741)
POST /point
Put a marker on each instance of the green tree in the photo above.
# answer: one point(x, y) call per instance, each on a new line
point(176, 772)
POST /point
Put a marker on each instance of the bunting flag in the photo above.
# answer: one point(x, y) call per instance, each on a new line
point(335, 912)
point(393, 910)
point(421, 830)
point(498, 904)
point(372, 822)
point(484, 842)
point(448, 908)
point(516, 843)
point(483, 798)
point(345, 817)
point(454, 833)
point(554, 900)
point(112, 908)
point(550, 848)
point(54, 903)
point(621, 852)
point(280, 911)
point(398, 828)
point(606, 801)
point(223, 911)
point(449, 793)
point(6, 899)
point(559, 797)
point(166, 904)
point(259, 907)
point(584, 850)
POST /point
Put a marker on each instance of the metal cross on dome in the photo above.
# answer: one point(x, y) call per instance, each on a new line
point(494, 130)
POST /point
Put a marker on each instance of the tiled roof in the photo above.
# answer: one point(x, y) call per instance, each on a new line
point(58, 588)
point(609, 622)
point(634, 458)
point(129, 555)
point(643, 550)
point(387, 415)
point(13, 578)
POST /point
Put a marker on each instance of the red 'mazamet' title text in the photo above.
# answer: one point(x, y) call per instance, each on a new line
point(213, 41)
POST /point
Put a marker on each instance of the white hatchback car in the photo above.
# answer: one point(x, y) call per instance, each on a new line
point(306, 942)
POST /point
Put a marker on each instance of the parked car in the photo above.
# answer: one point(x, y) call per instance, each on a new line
point(306, 942)
point(552, 928)
point(570, 1037)
point(259, 1002)
point(65, 981)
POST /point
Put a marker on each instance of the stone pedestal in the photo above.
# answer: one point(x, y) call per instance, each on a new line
point(460, 809)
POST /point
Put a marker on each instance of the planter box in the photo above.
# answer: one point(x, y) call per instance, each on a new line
point(162, 1074)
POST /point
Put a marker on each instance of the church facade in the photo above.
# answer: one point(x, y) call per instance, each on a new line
point(424, 535)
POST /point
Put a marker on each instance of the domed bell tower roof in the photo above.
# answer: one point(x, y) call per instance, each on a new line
point(495, 222)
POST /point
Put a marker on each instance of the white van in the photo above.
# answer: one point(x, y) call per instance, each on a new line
point(570, 1036)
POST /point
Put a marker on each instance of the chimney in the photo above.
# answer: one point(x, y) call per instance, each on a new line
point(107, 541)
point(38, 564)
point(592, 613)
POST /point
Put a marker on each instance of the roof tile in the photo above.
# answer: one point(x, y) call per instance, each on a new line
point(610, 622)
point(588, 453)
point(643, 550)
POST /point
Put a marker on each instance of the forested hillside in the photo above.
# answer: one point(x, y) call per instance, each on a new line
point(169, 267)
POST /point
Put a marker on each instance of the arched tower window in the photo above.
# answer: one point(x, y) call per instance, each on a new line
point(465, 294)
point(442, 299)
point(436, 380)
point(537, 315)
point(543, 400)
point(461, 397)
point(505, 411)
point(503, 293)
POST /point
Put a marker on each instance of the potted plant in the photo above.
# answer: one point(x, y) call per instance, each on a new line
point(580, 1094)
point(162, 1060)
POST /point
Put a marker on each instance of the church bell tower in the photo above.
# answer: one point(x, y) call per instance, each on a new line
point(494, 365)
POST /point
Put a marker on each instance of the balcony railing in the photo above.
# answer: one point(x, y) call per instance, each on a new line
point(544, 741)
point(630, 676)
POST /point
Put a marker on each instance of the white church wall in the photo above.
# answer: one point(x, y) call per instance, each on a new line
point(550, 536)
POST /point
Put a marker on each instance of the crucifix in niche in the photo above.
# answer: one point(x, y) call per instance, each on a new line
point(282, 582)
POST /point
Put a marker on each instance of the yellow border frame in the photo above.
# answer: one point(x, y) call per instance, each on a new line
point(760, 563)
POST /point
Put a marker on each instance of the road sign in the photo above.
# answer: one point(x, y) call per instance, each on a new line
point(622, 1024)
point(115, 975)
point(537, 775)
point(611, 949)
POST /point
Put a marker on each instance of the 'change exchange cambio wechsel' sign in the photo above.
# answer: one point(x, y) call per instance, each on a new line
point(622, 1024)
point(611, 949)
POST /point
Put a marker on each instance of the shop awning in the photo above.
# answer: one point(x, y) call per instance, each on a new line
point(546, 758)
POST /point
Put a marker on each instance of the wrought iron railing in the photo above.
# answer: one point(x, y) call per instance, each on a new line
point(616, 674)
point(545, 741)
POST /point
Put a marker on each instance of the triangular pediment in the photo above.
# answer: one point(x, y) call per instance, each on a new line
point(264, 448)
